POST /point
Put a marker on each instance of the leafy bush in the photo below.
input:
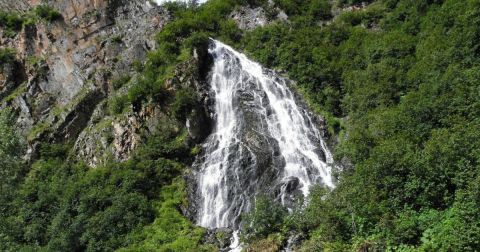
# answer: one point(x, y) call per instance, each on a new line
point(46, 12)
point(66, 206)
point(120, 81)
point(11, 22)
point(116, 39)
point(12, 171)
point(185, 101)
point(137, 66)
point(170, 231)
point(266, 217)
point(7, 55)
point(117, 104)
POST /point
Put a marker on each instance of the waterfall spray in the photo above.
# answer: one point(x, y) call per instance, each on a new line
point(263, 141)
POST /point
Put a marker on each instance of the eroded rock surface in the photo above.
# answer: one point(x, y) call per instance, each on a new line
point(64, 69)
point(249, 18)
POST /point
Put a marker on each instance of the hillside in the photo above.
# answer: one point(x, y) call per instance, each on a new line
point(111, 119)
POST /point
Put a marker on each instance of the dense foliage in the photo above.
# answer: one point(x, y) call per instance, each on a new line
point(402, 77)
point(46, 12)
point(67, 206)
point(12, 22)
point(7, 55)
point(11, 172)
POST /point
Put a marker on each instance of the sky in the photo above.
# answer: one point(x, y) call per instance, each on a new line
point(160, 2)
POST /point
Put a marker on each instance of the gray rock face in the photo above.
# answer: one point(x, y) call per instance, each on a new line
point(108, 137)
point(248, 18)
point(17, 5)
point(117, 136)
point(192, 74)
point(66, 68)
point(11, 76)
point(219, 237)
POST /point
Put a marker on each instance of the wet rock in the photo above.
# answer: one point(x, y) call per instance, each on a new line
point(192, 75)
point(198, 125)
point(291, 184)
point(294, 242)
point(220, 238)
point(321, 154)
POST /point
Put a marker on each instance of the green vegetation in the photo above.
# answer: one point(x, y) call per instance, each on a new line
point(7, 55)
point(137, 66)
point(185, 100)
point(266, 217)
point(12, 171)
point(117, 104)
point(66, 206)
point(190, 29)
point(15, 93)
point(13, 22)
point(120, 81)
point(404, 75)
point(47, 13)
point(36, 130)
point(117, 39)
point(171, 231)
point(397, 82)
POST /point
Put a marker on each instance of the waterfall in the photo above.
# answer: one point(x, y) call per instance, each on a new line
point(263, 142)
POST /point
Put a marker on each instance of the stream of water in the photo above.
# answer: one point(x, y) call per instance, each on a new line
point(262, 138)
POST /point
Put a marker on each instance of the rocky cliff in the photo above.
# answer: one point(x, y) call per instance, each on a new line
point(62, 75)
point(70, 73)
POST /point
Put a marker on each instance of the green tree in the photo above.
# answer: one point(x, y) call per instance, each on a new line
point(12, 171)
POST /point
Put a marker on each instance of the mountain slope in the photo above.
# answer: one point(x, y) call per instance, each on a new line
point(396, 80)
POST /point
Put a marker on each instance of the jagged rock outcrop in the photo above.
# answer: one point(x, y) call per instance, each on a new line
point(17, 5)
point(115, 137)
point(12, 75)
point(249, 18)
point(64, 69)
point(193, 74)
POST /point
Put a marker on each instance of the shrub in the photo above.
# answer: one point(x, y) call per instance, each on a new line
point(116, 39)
point(185, 101)
point(47, 13)
point(11, 22)
point(7, 55)
point(266, 217)
point(320, 9)
point(137, 65)
point(120, 81)
point(117, 104)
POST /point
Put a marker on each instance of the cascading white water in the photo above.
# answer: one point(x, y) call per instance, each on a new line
point(262, 139)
